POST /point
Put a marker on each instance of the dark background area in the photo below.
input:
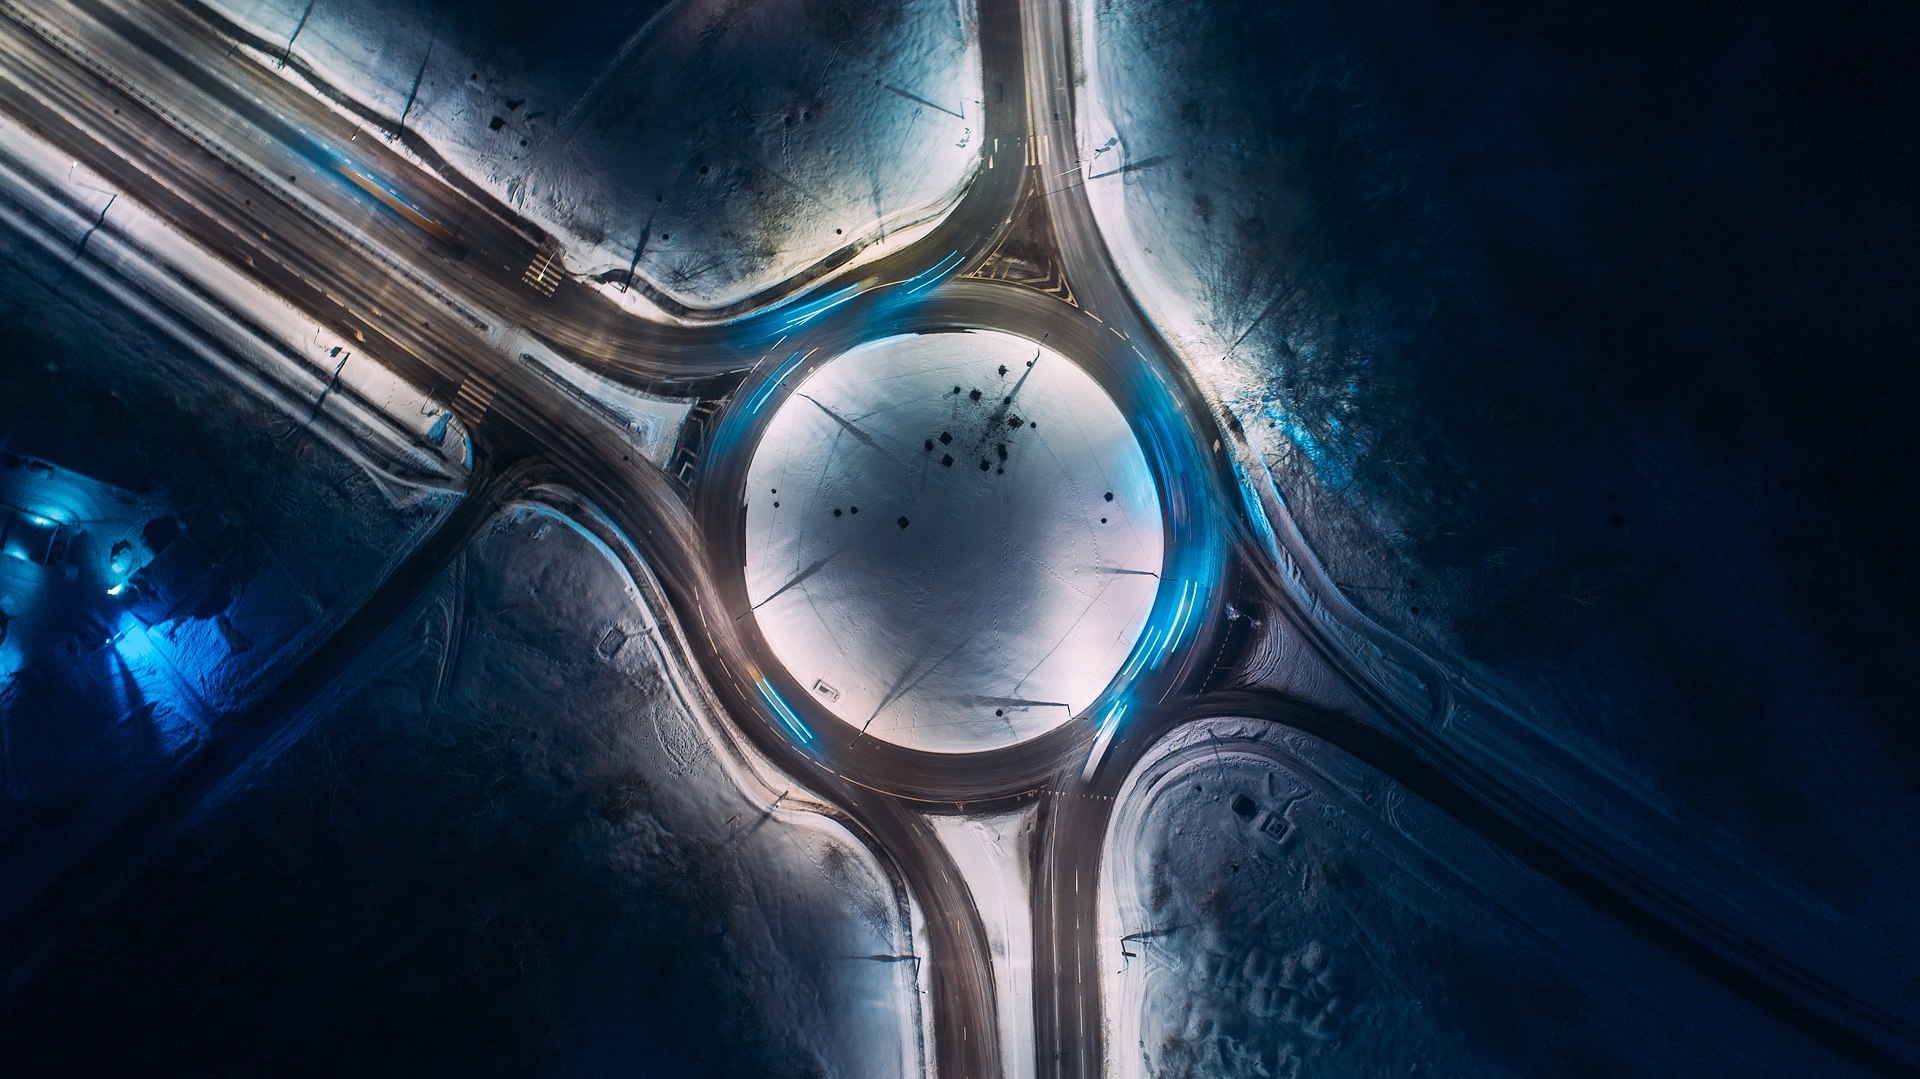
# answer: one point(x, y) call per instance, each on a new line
point(421, 892)
point(1607, 322)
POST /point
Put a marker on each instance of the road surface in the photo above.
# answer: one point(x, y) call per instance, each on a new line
point(160, 102)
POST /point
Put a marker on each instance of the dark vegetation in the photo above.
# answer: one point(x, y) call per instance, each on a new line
point(1592, 328)
point(93, 387)
point(416, 889)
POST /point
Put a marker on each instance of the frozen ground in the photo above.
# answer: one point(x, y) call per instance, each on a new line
point(1280, 911)
point(238, 531)
point(992, 854)
point(952, 539)
point(723, 145)
point(348, 398)
point(652, 424)
point(511, 848)
point(1572, 339)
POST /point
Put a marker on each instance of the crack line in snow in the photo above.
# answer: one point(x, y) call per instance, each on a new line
point(851, 428)
point(903, 685)
point(812, 568)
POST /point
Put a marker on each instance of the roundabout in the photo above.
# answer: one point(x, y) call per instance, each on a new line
point(953, 540)
point(1000, 566)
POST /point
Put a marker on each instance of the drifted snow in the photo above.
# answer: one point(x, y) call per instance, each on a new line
point(1278, 909)
point(1012, 592)
point(731, 144)
point(991, 854)
point(540, 621)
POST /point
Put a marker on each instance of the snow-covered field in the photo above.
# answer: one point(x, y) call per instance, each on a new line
point(952, 539)
point(249, 521)
point(1287, 912)
point(1491, 301)
point(514, 836)
point(724, 145)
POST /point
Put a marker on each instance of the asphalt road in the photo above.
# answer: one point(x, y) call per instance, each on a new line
point(160, 102)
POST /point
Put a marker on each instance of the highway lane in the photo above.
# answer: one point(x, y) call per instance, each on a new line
point(292, 142)
point(513, 411)
point(583, 324)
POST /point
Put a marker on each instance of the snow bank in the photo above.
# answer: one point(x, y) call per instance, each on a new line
point(991, 854)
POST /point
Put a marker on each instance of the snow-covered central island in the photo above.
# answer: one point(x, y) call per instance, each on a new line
point(953, 539)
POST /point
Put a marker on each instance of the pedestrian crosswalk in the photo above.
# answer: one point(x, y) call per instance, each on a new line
point(544, 273)
point(473, 400)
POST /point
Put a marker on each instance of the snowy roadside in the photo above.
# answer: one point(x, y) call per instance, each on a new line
point(322, 378)
point(1593, 714)
point(1284, 910)
point(810, 141)
point(224, 501)
point(699, 739)
point(376, 419)
point(511, 827)
point(652, 424)
point(991, 854)
point(407, 449)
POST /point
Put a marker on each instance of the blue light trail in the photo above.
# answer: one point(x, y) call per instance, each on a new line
point(933, 276)
point(786, 714)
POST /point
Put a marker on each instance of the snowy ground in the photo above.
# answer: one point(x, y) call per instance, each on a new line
point(1524, 318)
point(512, 846)
point(724, 145)
point(1288, 913)
point(953, 539)
point(249, 524)
point(349, 399)
point(992, 854)
point(652, 424)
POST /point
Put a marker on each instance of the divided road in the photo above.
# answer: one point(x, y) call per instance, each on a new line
point(158, 100)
